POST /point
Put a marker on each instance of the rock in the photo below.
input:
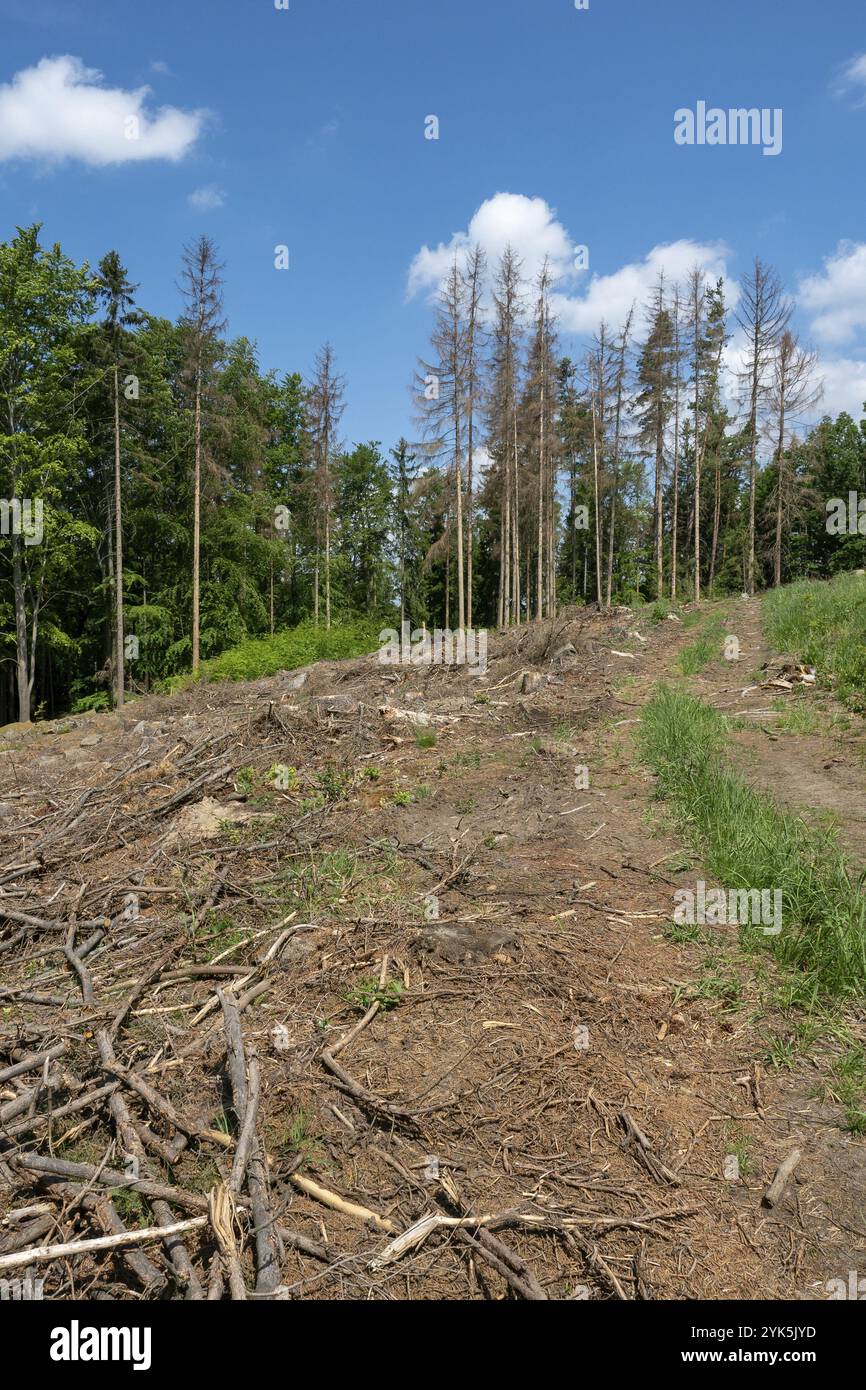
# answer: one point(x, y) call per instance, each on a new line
point(532, 682)
point(11, 731)
point(91, 740)
point(418, 718)
point(461, 943)
point(565, 655)
point(204, 820)
point(336, 704)
point(144, 729)
point(6, 809)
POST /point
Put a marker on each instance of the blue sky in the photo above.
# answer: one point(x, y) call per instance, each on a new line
point(306, 127)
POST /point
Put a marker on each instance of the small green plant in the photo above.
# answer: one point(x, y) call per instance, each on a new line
point(284, 778)
point(368, 992)
point(739, 1145)
point(472, 759)
point(334, 783)
point(682, 932)
point(130, 1206)
point(425, 738)
point(398, 799)
point(780, 1054)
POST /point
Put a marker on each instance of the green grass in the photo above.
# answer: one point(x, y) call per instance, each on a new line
point(707, 648)
point(823, 624)
point(285, 651)
point(746, 841)
point(800, 714)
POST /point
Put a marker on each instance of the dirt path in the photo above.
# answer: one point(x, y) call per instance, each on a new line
point(544, 1048)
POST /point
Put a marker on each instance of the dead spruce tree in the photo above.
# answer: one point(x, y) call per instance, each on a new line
point(620, 382)
point(441, 396)
point(502, 428)
point(473, 289)
point(793, 393)
point(325, 406)
point(540, 404)
point(763, 313)
point(654, 409)
point(202, 324)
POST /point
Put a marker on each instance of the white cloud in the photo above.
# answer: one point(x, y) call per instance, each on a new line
point(60, 110)
point(531, 227)
point(610, 297)
point(836, 297)
point(207, 198)
point(844, 386)
point(852, 79)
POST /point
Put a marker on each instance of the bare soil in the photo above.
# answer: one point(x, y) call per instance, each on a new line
point(541, 1060)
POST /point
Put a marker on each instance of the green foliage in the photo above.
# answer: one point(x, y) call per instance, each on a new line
point(285, 651)
point(97, 702)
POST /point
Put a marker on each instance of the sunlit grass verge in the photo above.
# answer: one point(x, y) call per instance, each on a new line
point(285, 651)
point(824, 625)
point(746, 841)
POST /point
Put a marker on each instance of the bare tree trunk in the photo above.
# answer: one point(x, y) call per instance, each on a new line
point(658, 512)
point(617, 439)
point(595, 497)
point(676, 461)
point(697, 502)
point(717, 511)
point(458, 489)
point(327, 550)
point(469, 524)
point(539, 598)
point(515, 522)
point(196, 529)
point(506, 538)
point(22, 666)
point(316, 582)
point(119, 670)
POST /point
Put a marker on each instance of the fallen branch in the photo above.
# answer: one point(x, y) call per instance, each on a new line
point(41, 1253)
